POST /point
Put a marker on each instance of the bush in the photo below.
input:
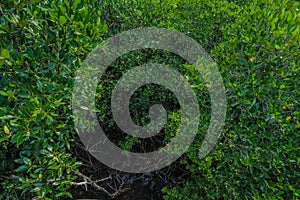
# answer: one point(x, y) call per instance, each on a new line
point(255, 43)
point(257, 157)
point(42, 43)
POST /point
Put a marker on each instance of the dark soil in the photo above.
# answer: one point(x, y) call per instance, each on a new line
point(135, 186)
point(136, 191)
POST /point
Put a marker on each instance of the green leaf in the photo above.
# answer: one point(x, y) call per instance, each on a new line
point(68, 194)
point(26, 160)
point(20, 139)
point(60, 172)
point(22, 168)
point(5, 53)
point(75, 4)
point(3, 138)
point(61, 194)
point(282, 86)
point(139, 13)
point(62, 20)
point(6, 130)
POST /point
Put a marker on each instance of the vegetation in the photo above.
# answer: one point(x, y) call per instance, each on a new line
point(255, 43)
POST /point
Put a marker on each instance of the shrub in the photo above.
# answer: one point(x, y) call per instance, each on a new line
point(257, 157)
point(255, 43)
point(41, 44)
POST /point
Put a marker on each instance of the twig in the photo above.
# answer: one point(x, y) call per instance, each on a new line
point(89, 181)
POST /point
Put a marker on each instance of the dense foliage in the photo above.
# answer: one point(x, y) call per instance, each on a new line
point(255, 43)
point(42, 42)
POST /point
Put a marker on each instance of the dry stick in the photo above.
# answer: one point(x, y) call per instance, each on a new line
point(88, 180)
point(12, 177)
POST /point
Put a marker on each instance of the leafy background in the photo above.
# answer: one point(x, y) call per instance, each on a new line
point(255, 43)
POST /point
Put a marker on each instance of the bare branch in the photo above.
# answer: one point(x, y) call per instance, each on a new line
point(88, 181)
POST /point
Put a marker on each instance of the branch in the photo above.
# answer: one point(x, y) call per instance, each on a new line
point(89, 181)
